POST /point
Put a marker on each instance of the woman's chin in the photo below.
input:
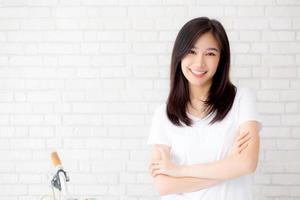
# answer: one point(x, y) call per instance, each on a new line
point(198, 83)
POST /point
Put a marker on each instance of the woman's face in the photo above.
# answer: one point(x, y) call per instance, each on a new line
point(201, 62)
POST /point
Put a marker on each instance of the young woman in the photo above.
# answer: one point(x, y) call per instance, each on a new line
point(205, 138)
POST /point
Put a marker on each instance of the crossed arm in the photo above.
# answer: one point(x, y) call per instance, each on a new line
point(170, 178)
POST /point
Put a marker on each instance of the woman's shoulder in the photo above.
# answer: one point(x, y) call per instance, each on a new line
point(242, 94)
point(160, 116)
point(160, 111)
point(244, 91)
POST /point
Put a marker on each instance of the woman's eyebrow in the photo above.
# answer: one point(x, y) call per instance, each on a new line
point(210, 48)
point(213, 49)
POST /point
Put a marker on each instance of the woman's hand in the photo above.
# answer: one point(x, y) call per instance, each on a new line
point(164, 166)
point(241, 142)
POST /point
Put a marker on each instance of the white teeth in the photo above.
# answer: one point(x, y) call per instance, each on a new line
point(198, 72)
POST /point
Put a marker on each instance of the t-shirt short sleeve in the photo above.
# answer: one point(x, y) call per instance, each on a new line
point(247, 107)
point(158, 133)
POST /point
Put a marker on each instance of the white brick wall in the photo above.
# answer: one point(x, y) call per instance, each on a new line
point(83, 77)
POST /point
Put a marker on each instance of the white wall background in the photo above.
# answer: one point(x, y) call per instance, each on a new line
point(84, 76)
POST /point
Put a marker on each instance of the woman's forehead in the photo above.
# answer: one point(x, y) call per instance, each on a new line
point(206, 42)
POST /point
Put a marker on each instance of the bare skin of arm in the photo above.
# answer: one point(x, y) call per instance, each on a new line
point(170, 185)
point(170, 178)
point(232, 166)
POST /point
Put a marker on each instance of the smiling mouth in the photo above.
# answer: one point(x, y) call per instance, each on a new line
point(198, 74)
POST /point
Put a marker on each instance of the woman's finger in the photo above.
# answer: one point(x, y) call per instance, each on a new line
point(156, 172)
point(154, 167)
point(239, 137)
point(242, 135)
point(244, 144)
point(242, 148)
point(155, 163)
point(152, 171)
point(244, 140)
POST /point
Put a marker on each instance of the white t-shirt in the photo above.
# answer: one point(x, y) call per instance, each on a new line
point(204, 143)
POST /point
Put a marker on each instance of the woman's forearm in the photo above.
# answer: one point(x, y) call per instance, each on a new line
point(173, 185)
point(230, 167)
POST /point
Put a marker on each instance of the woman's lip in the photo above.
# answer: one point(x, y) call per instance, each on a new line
point(198, 75)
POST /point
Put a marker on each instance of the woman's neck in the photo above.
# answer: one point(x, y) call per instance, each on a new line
point(198, 93)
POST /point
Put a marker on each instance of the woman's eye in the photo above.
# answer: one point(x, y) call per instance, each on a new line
point(210, 54)
point(192, 52)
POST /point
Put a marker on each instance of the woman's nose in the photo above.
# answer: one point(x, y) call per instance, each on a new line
point(199, 59)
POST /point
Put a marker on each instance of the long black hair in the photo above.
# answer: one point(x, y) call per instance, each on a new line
point(221, 93)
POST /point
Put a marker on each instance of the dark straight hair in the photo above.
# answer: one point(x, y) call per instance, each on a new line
point(221, 93)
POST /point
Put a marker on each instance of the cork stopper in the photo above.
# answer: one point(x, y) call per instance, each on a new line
point(55, 159)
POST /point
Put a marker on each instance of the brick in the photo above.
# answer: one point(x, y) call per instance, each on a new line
point(250, 24)
point(291, 120)
point(39, 12)
point(240, 48)
point(69, 12)
point(279, 23)
point(271, 120)
point(272, 167)
point(127, 178)
point(139, 84)
point(114, 24)
point(82, 119)
point(74, 61)
point(139, 190)
point(25, 36)
point(99, 3)
point(282, 11)
point(285, 179)
point(278, 36)
point(116, 72)
point(63, 36)
point(148, 48)
point(241, 72)
point(284, 156)
point(11, 48)
point(104, 166)
point(9, 24)
point(285, 48)
point(16, 12)
point(116, 155)
point(261, 72)
point(278, 60)
point(114, 48)
point(262, 179)
point(205, 10)
point(291, 108)
point(250, 35)
point(37, 24)
point(30, 178)
point(253, 11)
point(275, 84)
point(103, 143)
point(259, 47)
point(273, 191)
point(58, 48)
point(290, 95)
point(114, 11)
point(67, 24)
point(18, 189)
point(117, 190)
point(269, 108)
point(111, 60)
point(247, 60)
point(288, 144)
point(107, 178)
